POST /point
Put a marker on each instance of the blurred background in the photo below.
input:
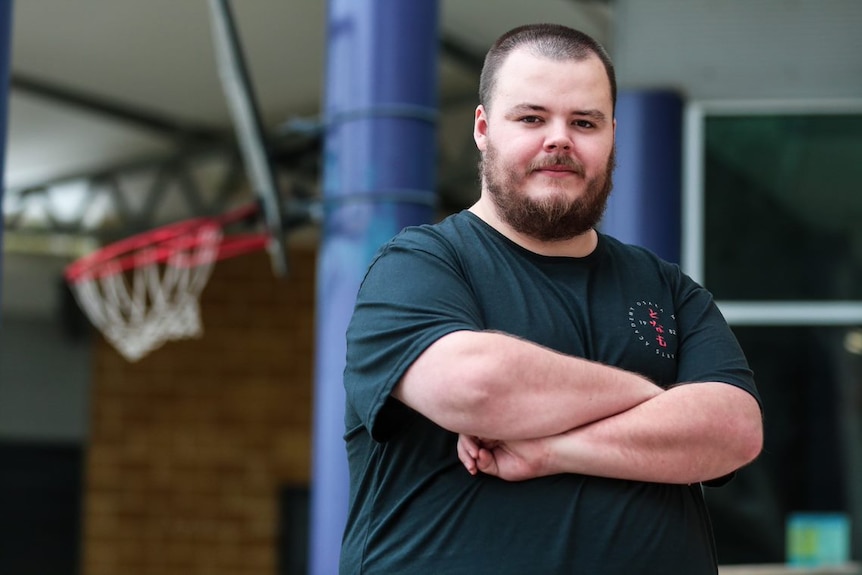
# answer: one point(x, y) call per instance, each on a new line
point(743, 157)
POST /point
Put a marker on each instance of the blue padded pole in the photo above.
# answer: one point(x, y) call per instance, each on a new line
point(644, 208)
point(378, 177)
point(5, 50)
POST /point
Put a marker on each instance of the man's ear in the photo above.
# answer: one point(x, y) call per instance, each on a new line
point(480, 128)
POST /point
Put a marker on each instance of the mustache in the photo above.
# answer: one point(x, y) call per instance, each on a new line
point(555, 161)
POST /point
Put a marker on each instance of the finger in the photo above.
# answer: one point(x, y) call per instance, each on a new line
point(486, 463)
point(471, 444)
point(466, 458)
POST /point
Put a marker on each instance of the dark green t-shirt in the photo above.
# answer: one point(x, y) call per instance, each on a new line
point(414, 509)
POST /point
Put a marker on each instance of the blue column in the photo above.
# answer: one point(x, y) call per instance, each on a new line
point(644, 208)
point(378, 177)
point(5, 49)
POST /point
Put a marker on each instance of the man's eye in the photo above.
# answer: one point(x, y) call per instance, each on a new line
point(531, 119)
point(583, 124)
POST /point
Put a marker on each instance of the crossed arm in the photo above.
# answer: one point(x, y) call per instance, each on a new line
point(541, 413)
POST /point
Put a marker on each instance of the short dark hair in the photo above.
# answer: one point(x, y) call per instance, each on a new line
point(553, 41)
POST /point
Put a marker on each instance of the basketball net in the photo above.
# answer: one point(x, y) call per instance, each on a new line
point(143, 291)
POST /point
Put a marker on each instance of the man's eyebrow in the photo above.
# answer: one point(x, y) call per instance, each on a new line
point(524, 108)
point(596, 115)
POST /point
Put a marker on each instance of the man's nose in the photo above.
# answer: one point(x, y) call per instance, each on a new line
point(558, 138)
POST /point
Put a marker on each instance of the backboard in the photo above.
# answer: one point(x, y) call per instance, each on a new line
point(240, 96)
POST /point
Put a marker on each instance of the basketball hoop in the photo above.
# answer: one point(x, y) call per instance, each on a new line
point(143, 291)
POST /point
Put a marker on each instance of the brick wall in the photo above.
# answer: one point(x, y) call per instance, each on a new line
point(190, 445)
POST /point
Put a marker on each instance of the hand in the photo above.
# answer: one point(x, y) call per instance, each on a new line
point(509, 460)
point(469, 448)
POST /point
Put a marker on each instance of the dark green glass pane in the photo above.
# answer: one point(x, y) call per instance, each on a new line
point(809, 379)
point(783, 207)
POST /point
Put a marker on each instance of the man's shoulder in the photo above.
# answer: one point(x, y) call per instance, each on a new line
point(451, 224)
point(440, 241)
point(616, 249)
point(641, 262)
point(449, 231)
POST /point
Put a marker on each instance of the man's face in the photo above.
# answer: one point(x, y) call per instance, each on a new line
point(547, 143)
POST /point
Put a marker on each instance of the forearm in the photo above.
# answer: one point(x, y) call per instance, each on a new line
point(491, 384)
point(689, 433)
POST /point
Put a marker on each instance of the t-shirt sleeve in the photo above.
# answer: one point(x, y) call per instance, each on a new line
point(413, 294)
point(709, 351)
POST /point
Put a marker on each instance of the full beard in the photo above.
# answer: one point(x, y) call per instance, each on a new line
point(553, 217)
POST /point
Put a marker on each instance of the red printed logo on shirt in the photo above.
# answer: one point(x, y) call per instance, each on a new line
point(654, 328)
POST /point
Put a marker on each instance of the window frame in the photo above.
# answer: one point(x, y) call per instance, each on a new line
point(749, 312)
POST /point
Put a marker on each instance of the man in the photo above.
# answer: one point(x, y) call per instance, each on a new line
point(526, 395)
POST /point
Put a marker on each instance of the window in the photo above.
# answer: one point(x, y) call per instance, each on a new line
point(772, 220)
point(773, 211)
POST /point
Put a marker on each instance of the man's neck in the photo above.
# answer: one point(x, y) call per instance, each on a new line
point(577, 247)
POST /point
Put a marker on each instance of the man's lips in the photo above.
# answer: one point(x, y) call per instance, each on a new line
point(557, 170)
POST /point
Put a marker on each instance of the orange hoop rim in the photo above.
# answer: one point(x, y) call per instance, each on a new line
point(166, 242)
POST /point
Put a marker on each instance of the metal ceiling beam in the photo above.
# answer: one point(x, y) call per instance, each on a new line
point(145, 119)
point(39, 210)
